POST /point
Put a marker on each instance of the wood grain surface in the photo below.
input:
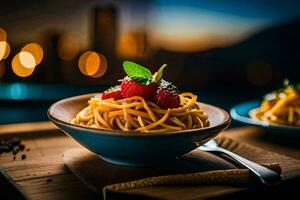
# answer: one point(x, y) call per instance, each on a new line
point(96, 173)
point(43, 175)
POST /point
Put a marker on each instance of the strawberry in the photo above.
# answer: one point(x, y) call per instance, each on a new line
point(131, 88)
point(112, 93)
point(167, 95)
point(140, 81)
point(116, 95)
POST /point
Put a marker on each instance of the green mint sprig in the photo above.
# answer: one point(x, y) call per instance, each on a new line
point(158, 75)
point(141, 74)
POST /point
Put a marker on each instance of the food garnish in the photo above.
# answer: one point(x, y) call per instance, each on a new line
point(143, 102)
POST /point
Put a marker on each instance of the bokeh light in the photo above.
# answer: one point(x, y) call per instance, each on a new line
point(35, 50)
point(4, 50)
point(102, 68)
point(131, 45)
point(27, 59)
point(68, 46)
point(82, 62)
point(3, 34)
point(18, 91)
point(19, 69)
point(92, 64)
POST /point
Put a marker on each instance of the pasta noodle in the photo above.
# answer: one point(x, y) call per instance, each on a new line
point(283, 108)
point(138, 115)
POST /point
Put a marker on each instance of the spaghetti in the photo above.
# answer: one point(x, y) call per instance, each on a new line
point(280, 108)
point(138, 115)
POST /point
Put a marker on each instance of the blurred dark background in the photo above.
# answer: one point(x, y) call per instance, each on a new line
point(226, 51)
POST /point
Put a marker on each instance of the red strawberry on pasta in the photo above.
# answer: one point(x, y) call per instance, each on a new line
point(112, 93)
point(139, 81)
point(131, 88)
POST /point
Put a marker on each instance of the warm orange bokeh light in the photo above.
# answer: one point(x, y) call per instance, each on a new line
point(19, 69)
point(128, 46)
point(3, 35)
point(36, 51)
point(102, 68)
point(92, 64)
point(82, 62)
point(68, 46)
point(27, 59)
point(4, 50)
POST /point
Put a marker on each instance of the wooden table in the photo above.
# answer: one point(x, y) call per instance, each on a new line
point(43, 175)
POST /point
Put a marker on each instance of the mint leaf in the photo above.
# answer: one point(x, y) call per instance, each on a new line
point(136, 71)
point(158, 75)
point(142, 80)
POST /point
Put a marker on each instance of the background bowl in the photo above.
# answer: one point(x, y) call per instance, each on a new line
point(241, 111)
point(134, 149)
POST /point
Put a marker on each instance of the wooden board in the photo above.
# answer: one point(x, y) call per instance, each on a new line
point(43, 175)
point(96, 173)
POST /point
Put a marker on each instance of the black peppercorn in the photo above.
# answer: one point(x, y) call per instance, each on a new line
point(23, 157)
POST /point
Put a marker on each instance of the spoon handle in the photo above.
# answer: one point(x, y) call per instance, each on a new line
point(264, 174)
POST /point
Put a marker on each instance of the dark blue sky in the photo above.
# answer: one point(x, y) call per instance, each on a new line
point(189, 25)
point(275, 10)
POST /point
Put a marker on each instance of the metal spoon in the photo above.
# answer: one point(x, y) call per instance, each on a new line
point(265, 175)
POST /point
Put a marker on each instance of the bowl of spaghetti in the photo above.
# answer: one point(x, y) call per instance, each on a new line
point(132, 126)
point(279, 111)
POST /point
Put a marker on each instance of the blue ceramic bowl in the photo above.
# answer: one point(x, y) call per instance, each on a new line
point(241, 111)
point(134, 149)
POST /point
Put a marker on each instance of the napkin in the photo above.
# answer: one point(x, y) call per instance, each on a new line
point(142, 187)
